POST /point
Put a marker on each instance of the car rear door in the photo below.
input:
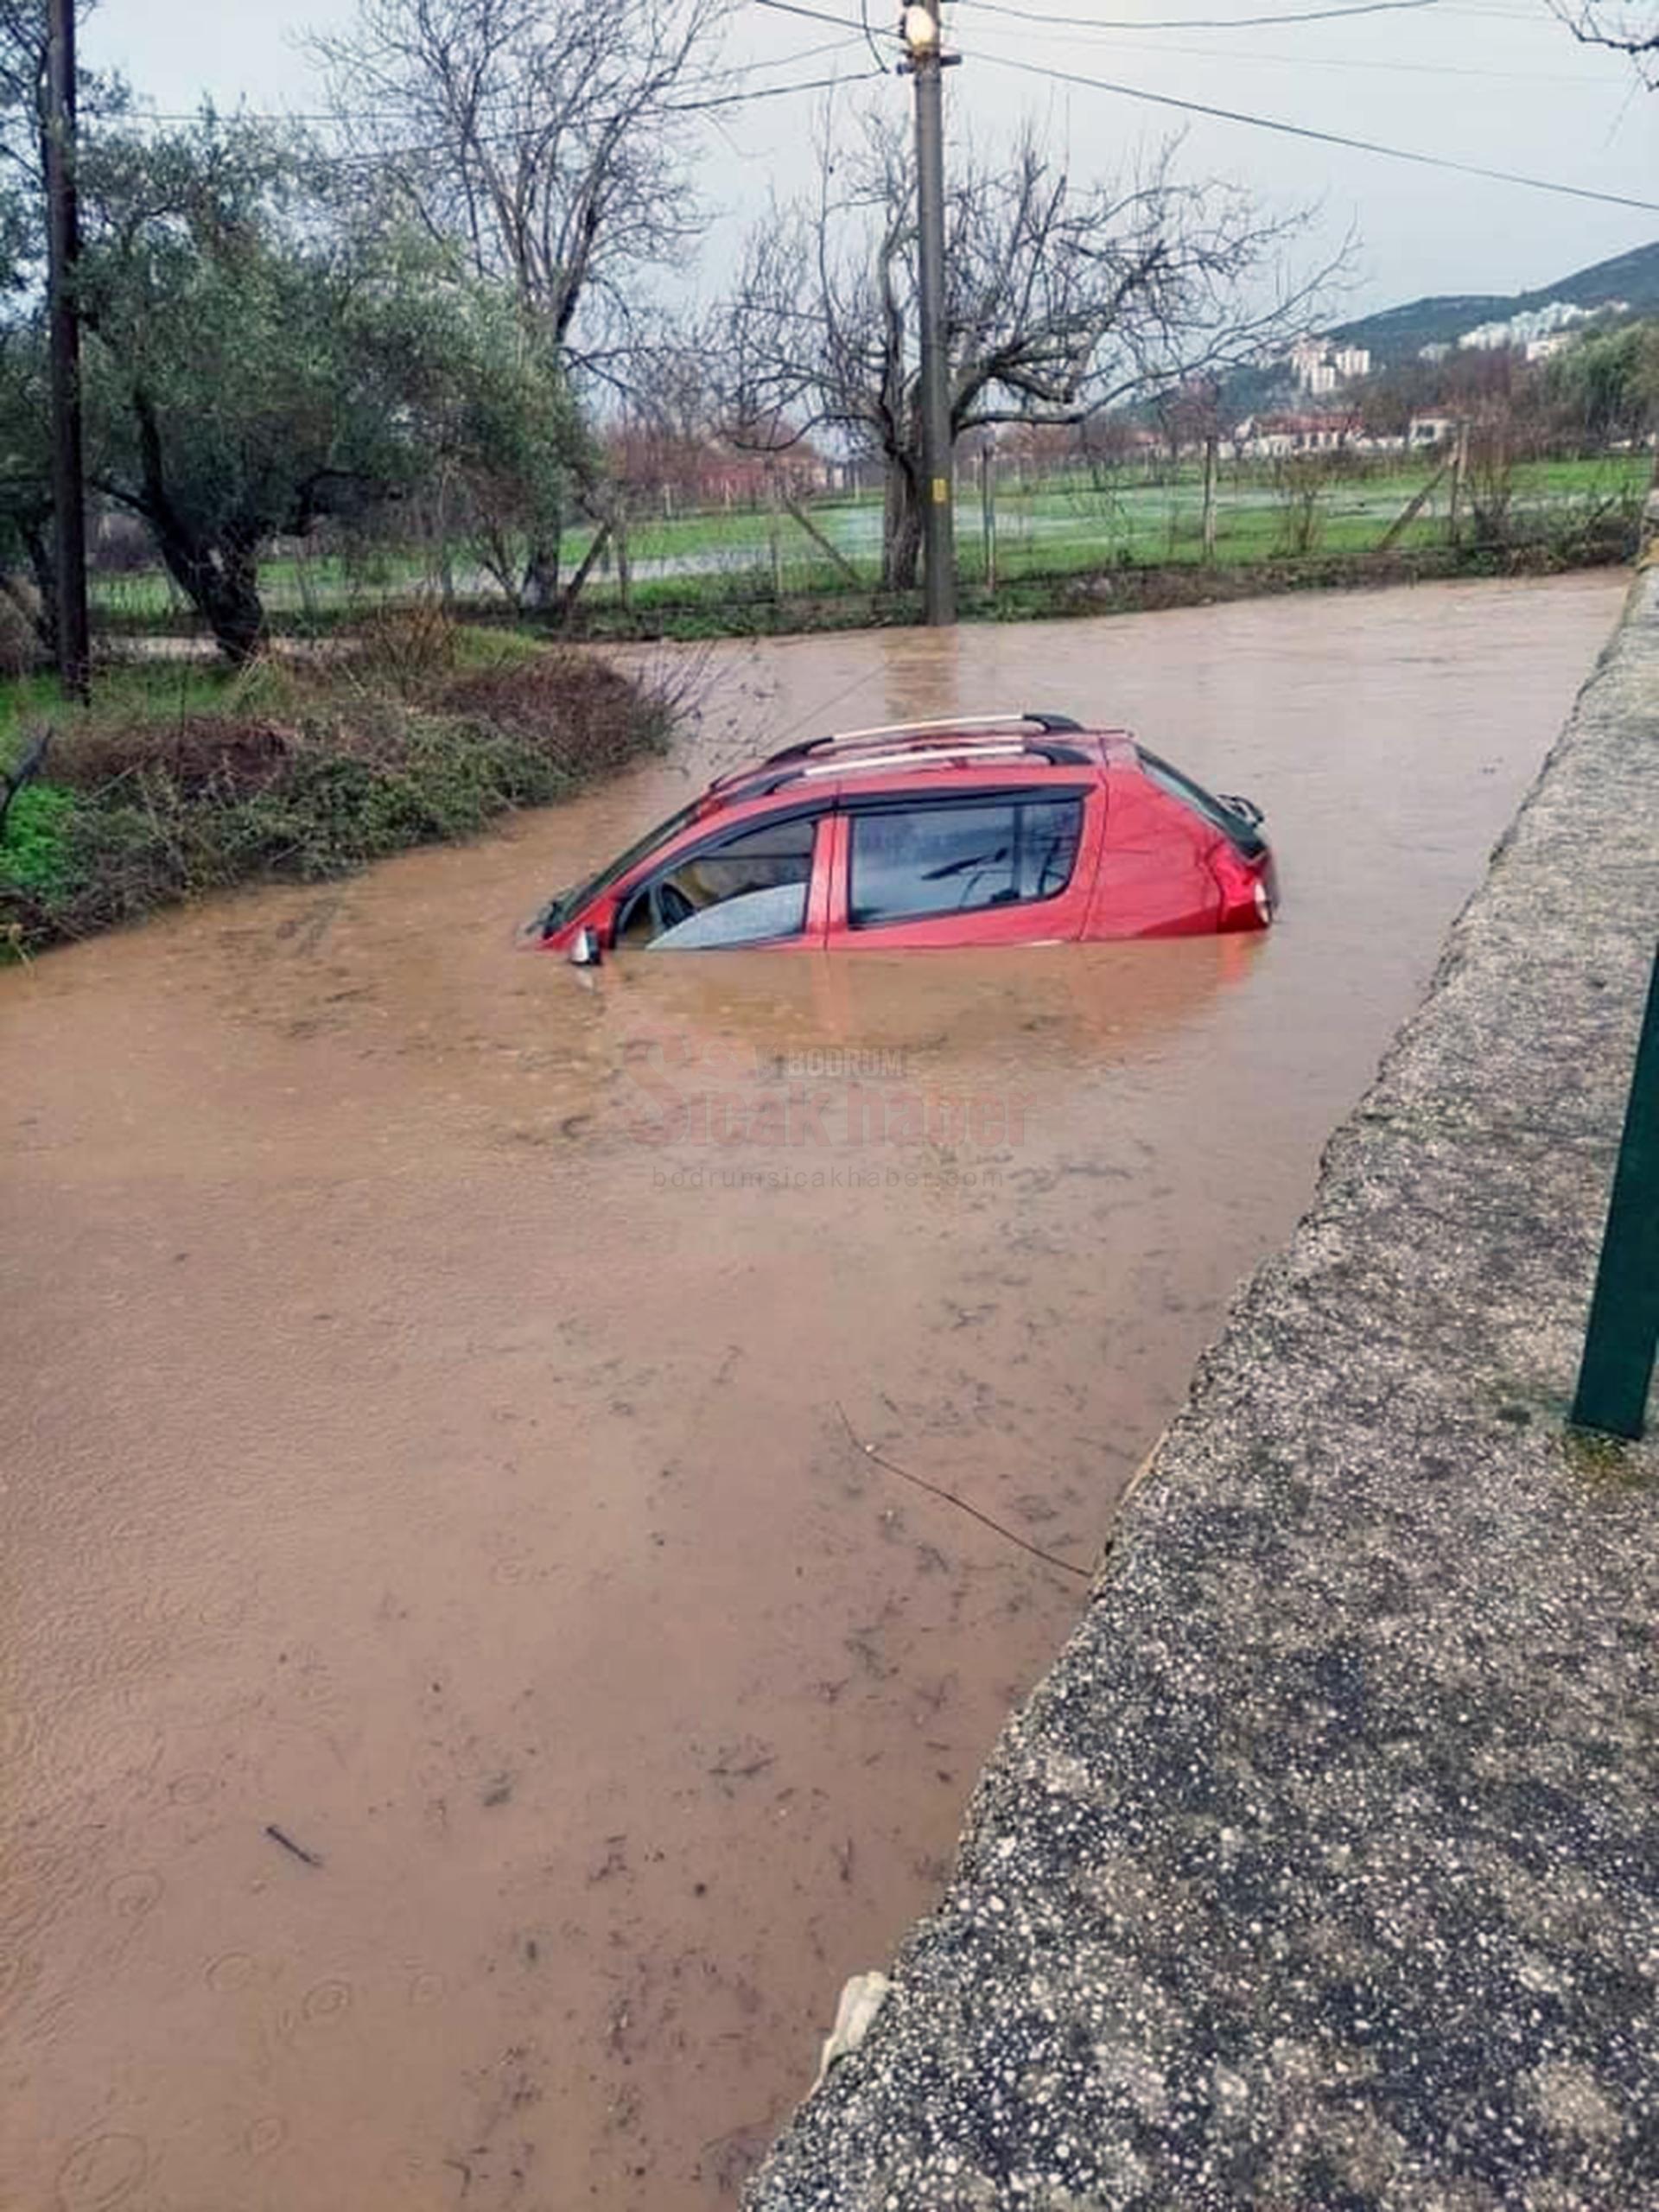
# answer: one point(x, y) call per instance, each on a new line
point(934, 862)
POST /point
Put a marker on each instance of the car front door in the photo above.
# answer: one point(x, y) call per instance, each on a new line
point(759, 883)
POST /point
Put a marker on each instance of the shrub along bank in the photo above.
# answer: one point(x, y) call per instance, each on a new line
point(178, 781)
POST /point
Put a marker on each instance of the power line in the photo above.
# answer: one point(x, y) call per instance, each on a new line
point(869, 37)
point(1442, 8)
point(770, 91)
point(1198, 22)
point(510, 137)
point(853, 35)
point(1280, 60)
point(1323, 137)
point(819, 15)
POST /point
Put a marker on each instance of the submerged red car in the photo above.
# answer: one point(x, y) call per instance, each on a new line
point(983, 830)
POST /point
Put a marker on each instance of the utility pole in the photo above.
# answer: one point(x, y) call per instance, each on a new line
point(63, 248)
point(927, 64)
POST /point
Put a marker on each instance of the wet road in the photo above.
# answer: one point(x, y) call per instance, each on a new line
point(468, 1702)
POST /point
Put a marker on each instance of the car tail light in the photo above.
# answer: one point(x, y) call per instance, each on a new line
point(1246, 894)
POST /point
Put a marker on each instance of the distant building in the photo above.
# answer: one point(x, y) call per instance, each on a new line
point(1273, 436)
point(1431, 430)
point(1319, 365)
point(1553, 320)
point(713, 472)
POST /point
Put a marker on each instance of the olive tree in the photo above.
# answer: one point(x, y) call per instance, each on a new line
point(1063, 297)
point(28, 563)
point(1608, 385)
point(266, 351)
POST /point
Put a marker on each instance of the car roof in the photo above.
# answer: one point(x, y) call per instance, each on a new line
point(961, 743)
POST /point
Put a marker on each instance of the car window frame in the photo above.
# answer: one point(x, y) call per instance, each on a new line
point(1032, 792)
point(1198, 799)
point(817, 810)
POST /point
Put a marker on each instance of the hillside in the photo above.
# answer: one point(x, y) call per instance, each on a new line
point(1397, 332)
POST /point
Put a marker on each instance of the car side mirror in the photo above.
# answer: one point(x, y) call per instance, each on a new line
point(584, 948)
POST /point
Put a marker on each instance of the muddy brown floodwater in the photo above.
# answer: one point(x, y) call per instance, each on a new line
point(468, 1703)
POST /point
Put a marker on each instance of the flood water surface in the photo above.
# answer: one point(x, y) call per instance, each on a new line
point(470, 1698)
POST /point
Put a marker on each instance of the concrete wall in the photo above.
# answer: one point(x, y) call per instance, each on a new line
point(1321, 1868)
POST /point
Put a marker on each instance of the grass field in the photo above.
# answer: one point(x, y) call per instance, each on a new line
point(1055, 528)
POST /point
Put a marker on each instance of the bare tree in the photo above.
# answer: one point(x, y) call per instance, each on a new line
point(1063, 299)
point(550, 138)
point(1301, 482)
point(1629, 27)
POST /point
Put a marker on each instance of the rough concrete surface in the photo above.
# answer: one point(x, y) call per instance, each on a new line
point(1323, 1868)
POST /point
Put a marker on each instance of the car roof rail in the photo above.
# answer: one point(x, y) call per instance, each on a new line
point(963, 725)
point(1007, 750)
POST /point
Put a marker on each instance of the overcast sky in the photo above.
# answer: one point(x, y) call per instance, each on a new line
point(1498, 83)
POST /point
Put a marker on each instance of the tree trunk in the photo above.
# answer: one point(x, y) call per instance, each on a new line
point(540, 589)
point(589, 563)
point(222, 584)
point(901, 525)
point(43, 566)
point(541, 584)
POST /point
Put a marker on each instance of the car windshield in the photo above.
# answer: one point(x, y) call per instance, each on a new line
point(572, 902)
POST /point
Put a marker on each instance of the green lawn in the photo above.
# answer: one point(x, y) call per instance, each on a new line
point(129, 691)
point(1054, 526)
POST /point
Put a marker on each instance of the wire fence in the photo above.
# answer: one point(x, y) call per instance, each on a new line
point(1022, 531)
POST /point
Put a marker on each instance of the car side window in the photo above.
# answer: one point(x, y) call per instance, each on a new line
point(911, 861)
point(743, 890)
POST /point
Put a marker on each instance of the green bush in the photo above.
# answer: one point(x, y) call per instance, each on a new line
point(33, 856)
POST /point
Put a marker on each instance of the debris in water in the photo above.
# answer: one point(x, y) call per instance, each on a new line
point(861, 1998)
point(277, 1835)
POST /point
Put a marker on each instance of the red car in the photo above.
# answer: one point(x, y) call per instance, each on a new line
point(983, 830)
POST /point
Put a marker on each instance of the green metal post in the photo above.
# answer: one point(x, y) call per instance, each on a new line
point(1624, 1331)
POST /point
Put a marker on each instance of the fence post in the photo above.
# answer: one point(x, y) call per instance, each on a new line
point(624, 563)
point(1460, 476)
point(988, 508)
point(1624, 1329)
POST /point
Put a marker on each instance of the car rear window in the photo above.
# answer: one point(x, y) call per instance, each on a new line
point(910, 861)
point(1239, 831)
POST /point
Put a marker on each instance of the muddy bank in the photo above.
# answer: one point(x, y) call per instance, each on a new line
point(421, 1443)
point(1318, 1870)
